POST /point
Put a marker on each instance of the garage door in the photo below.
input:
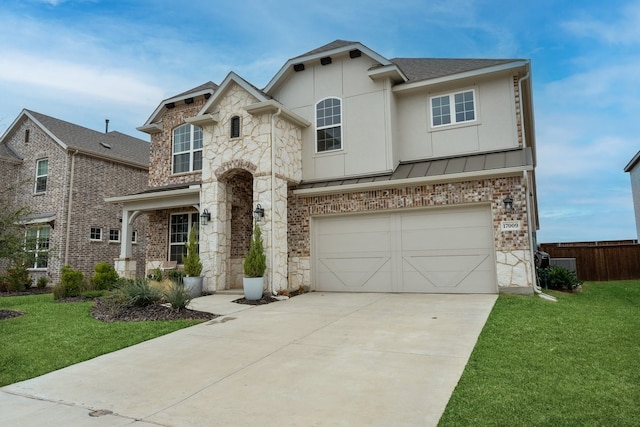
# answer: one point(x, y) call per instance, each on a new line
point(446, 250)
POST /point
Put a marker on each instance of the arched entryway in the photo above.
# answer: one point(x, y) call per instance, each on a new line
point(239, 222)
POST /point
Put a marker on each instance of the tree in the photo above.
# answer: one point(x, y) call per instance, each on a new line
point(11, 231)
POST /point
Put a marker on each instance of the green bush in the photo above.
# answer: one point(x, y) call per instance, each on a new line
point(138, 293)
point(562, 279)
point(175, 275)
point(192, 263)
point(177, 296)
point(42, 282)
point(255, 263)
point(17, 278)
point(156, 275)
point(105, 276)
point(71, 283)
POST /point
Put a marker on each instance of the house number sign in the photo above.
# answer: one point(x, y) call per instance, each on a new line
point(510, 226)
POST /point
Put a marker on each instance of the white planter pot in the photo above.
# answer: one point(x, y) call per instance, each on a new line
point(253, 287)
point(193, 285)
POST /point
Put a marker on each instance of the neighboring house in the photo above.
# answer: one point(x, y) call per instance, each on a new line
point(61, 173)
point(633, 167)
point(374, 174)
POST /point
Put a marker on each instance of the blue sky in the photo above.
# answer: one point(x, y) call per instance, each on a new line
point(87, 60)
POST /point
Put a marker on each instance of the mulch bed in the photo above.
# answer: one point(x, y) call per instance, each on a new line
point(9, 314)
point(106, 312)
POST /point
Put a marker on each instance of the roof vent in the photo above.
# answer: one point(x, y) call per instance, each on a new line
point(170, 105)
point(188, 101)
point(105, 145)
point(106, 125)
point(298, 67)
point(326, 60)
point(355, 53)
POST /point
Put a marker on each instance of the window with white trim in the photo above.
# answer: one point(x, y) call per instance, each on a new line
point(95, 234)
point(42, 172)
point(37, 246)
point(187, 148)
point(134, 237)
point(328, 125)
point(179, 228)
point(453, 108)
point(114, 235)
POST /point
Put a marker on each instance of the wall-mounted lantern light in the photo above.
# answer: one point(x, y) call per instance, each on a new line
point(205, 217)
point(258, 214)
point(508, 204)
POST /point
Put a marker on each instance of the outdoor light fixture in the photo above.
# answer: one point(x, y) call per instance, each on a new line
point(508, 204)
point(258, 214)
point(205, 217)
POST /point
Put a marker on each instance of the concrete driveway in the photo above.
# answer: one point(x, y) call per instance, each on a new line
point(316, 359)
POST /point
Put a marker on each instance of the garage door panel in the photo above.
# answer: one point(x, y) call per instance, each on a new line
point(430, 250)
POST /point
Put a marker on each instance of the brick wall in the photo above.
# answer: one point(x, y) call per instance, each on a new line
point(160, 172)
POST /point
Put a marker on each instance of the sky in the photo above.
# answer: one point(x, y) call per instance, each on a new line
point(85, 61)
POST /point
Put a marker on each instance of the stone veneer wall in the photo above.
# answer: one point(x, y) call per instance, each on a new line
point(513, 254)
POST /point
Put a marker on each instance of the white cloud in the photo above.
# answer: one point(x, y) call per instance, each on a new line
point(624, 30)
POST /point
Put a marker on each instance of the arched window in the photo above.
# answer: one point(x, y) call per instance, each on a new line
point(187, 148)
point(235, 127)
point(328, 125)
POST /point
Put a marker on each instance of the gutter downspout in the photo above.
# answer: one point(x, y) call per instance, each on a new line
point(273, 181)
point(69, 203)
point(536, 287)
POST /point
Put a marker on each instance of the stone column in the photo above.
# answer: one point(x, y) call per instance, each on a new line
point(213, 236)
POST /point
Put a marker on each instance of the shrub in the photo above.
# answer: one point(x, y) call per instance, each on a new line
point(156, 275)
point(192, 263)
point(562, 278)
point(255, 263)
point(177, 296)
point(71, 282)
point(175, 275)
point(139, 293)
point(42, 282)
point(105, 276)
point(18, 278)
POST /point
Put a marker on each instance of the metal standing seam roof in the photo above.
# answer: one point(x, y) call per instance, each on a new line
point(113, 145)
point(521, 157)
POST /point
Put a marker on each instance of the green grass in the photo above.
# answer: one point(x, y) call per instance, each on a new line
point(571, 363)
point(52, 335)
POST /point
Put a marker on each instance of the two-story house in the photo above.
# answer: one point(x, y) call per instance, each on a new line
point(60, 173)
point(364, 173)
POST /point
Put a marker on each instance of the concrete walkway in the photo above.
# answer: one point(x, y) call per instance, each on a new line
point(316, 359)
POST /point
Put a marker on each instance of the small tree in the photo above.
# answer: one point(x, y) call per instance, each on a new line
point(105, 276)
point(255, 263)
point(192, 263)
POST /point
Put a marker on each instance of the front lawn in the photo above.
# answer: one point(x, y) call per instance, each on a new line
point(52, 335)
point(575, 362)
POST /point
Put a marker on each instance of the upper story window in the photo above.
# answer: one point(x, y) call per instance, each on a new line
point(187, 148)
point(114, 235)
point(235, 127)
point(42, 171)
point(453, 108)
point(37, 246)
point(328, 125)
point(95, 234)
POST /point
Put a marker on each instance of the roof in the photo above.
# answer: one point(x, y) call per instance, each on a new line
point(111, 145)
point(441, 167)
point(417, 69)
point(632, 163)
point(7, 154)
point(336, 44)
point(208, 85)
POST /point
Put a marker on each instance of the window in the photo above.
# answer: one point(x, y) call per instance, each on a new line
point(42, 171)
point(134, 237)
point(463, 108)
point(179, 234)
point(187, 148)
point(37, 246)
point(235, 127)
point(328, 125)
point(95, 233)
point(26, 135)
point(114, 235)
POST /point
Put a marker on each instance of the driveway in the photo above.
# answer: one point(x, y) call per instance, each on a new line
point(316, 359)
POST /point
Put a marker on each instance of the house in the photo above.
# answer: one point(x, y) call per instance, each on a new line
point(61, 173)
point(366, 174)
point(633, 167)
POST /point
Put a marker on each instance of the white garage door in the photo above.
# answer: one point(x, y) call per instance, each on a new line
point(447, 250)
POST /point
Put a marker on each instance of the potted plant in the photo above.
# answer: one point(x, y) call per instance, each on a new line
point(193, 266)
point(255, 264)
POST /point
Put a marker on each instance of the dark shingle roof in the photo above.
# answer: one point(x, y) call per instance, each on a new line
point(113, 145)
point(336, 44)
point(417, 69)
point(7, 153)
point(208, 85)
point(516, 158)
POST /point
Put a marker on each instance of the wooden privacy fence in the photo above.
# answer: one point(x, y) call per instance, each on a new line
point(600, 261)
